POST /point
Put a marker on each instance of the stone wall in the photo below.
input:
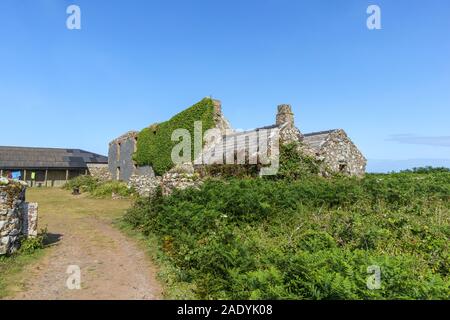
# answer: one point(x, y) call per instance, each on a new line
point(99, 171)
point(341, 155)
point(120, 156)
point(337, 152)
point(220, 121)
point(30, 219)
point(145, 185)
point(17, 217)
point(179, 177)
point(285, 121)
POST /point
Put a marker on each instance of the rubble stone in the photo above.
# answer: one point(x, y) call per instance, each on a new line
point(17, 217)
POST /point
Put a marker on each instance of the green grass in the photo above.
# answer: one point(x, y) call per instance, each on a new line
point(309, 238)
point(11, 268)
point(57, 206)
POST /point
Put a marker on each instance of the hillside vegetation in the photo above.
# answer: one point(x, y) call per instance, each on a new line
point(312, 238)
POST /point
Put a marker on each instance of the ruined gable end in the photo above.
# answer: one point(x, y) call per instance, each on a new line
point(341, 155)
point(120, 156)
point(220, 121)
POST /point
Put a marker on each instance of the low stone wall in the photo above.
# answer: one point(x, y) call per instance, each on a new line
point(17, 218)
point(174, 180)
point(180, 177)
point(99, 171)
point(145, 185)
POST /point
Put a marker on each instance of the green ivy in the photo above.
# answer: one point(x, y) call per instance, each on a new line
point(154, 145)
point(294, 164)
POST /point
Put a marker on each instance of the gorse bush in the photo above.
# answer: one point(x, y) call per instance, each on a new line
point(312, 238)
point(154, 145)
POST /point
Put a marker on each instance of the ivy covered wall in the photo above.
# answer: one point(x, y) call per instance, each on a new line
point(154, 144)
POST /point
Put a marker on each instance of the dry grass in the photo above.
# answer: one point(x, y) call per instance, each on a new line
point(54, 202)
point(56, 207)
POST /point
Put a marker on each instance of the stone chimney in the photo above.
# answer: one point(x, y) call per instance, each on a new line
point(289, 133)
point(219, 119)
point(217, 106)
point(285, 116)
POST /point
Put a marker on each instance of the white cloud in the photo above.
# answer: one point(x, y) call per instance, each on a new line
point(440, 141)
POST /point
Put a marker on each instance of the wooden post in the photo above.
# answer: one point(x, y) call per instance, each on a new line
point(67, 175)
point(25, 175)
point(1, 173)
point(46, 176)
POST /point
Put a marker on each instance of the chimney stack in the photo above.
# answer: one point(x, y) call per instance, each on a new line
point(285, 116)
point(217, 106)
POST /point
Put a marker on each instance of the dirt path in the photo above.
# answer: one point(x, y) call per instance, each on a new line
point(112, 265)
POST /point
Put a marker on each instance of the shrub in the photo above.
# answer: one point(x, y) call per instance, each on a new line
point(107, 189)
point(86, 183)
point(311, 238)
point(31, 244)
point(427, 170)
point(99, 189)
point(295, 165)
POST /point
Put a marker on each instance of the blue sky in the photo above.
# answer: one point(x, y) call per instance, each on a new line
point(137, 62)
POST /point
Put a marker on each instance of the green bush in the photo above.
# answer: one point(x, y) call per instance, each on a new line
point(99, 189)
point(106, 189)
point(306, 239)
point(86, 183)
point(295, 165)
point(427, 170)
point(154, 145)
point(30, 245)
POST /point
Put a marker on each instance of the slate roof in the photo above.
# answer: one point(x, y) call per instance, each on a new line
point(236, 142)
point(52, 158)
point(316, 139)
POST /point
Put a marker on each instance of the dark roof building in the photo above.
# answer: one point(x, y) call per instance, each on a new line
point(49, 166)
point(42, 158)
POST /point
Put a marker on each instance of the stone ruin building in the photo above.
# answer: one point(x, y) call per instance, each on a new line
point(18, 218)
point(333, 148)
